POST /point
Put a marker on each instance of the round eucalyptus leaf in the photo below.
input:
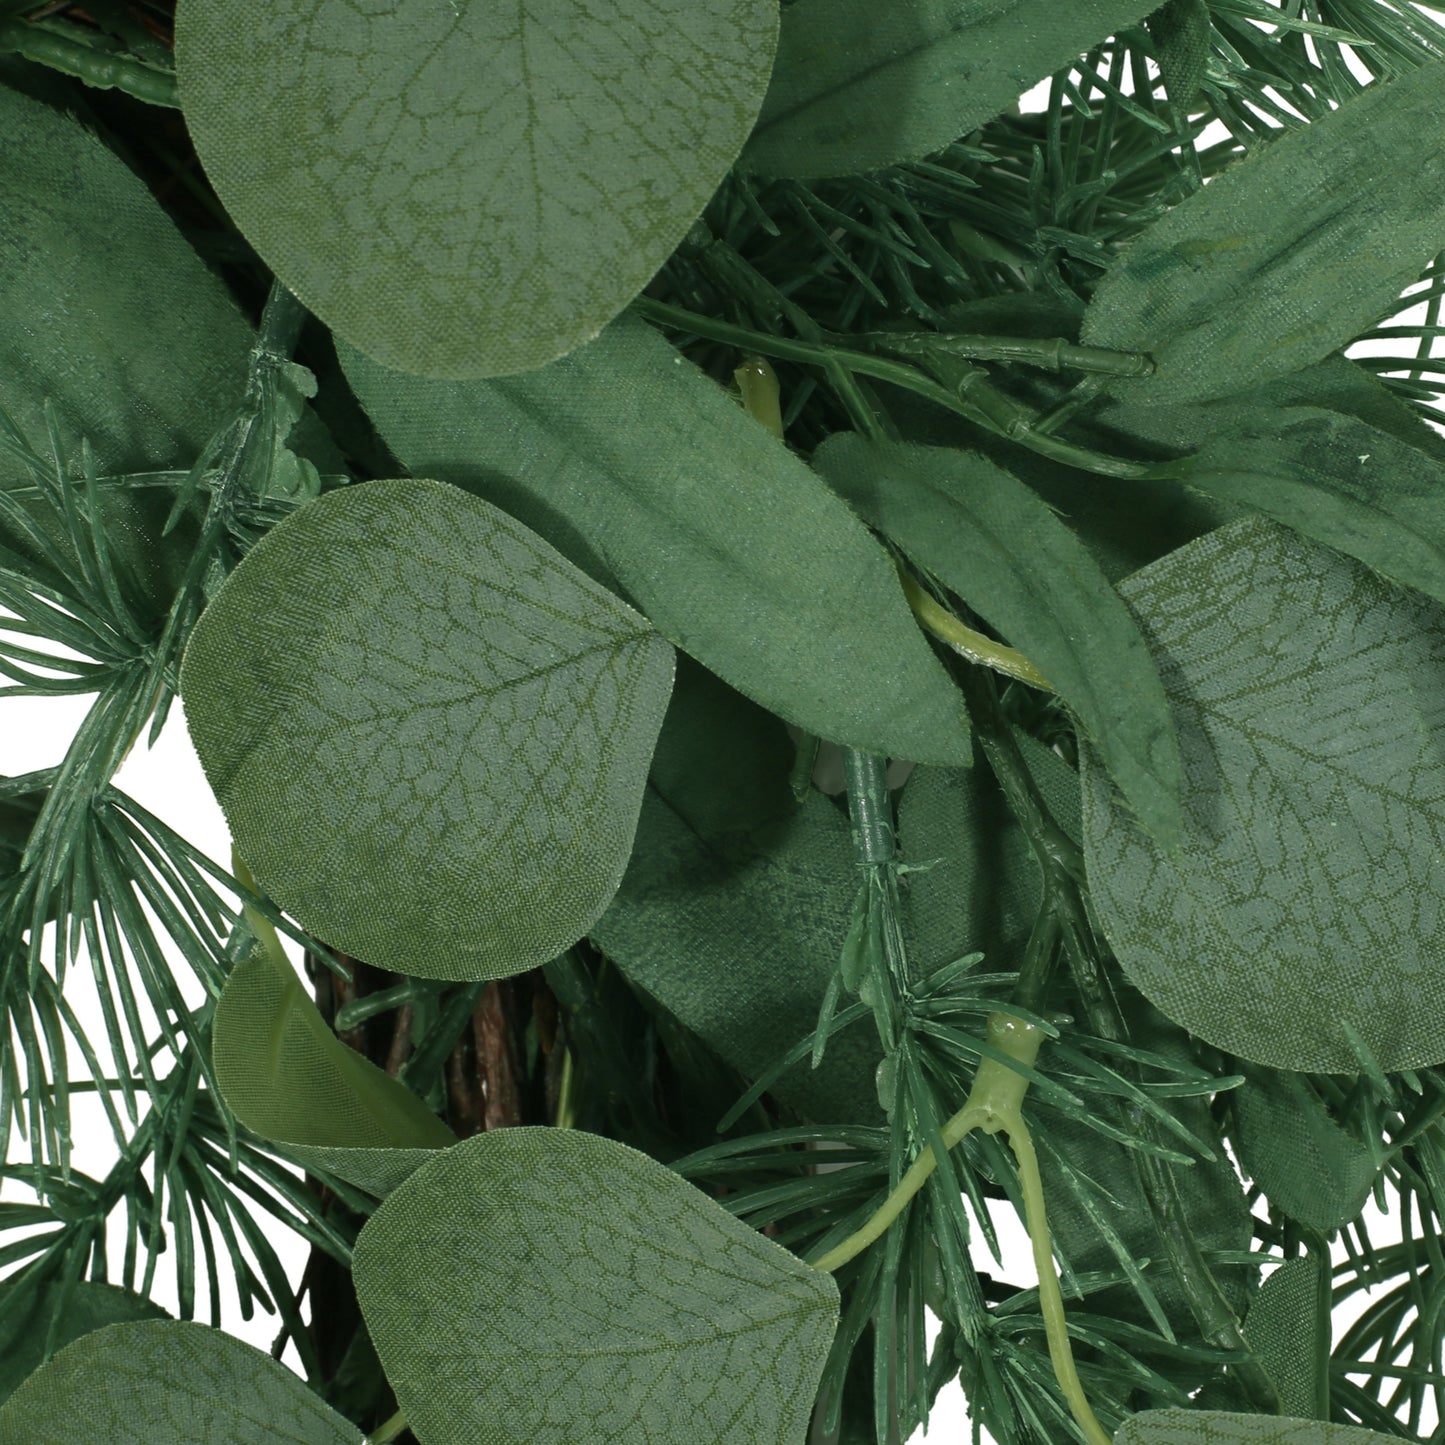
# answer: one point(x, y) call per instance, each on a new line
point(466, 189)
point(1302, 905)
point(165, 1382)
point(537, 1285)
point(428, 730)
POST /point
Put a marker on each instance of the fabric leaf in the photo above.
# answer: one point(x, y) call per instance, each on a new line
point(1289, 254)
point(736, 900)
point(461, 188)
point(1284, 1326)
point(1213, 1427)
point(984, 534)
point(286, 1076)
point(428, 731)
point(1183, 36)
point(1339, 481)
point(546, 1284)
point(1310, 1168)
point(168, 1383)
point(646, 474)
point(27, 1311)
point(856, 86)
point(1309, 697)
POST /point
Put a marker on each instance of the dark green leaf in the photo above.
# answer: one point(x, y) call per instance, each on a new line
point(1211, 1427)
point(856, 87)
point(643, 472)
point(1310, 1168)
point(536, 1284)
point(463, 189)
point(1309, 696)
point(1284, 1325)
point(27, 1312)
point(985, 535)
point(1183, 37)
point(167, 1383)
point(428, 731)
point(733, 909)
point(1289, 254)
point(286, 1076)
point(1339, 481)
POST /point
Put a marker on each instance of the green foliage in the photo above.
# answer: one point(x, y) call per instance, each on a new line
point(166, 1383)
point(653, 1304)
point(1046, 814)
point(530, 148)
point(1307, 698)
point(488, 710)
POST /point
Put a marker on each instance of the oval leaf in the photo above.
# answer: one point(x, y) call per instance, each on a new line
point(1213, 1427)
point(286, 1076)
point(467, 189)
point(28, 1311)
point(1289, 254)
point(984, 534)
point(168, 1383)
point(428, 731)
point(537, 1284)
point(857, 86)
point(1288, 1324)
point(642, 470)
point(1339, 481)
point(1309, 698)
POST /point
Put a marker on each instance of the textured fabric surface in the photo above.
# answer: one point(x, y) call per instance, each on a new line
point(429, 732)
point(857, 86)
point(466, 189)
point(545, 1286)
point(1309, 696)
point(167, 1383)
point(1289, 254)
point(649, 476)
point(985, 535)
point(1284, 1327)
point(1210, 1427)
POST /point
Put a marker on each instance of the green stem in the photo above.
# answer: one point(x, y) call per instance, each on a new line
point(1054, 354)
point(385, 1434)
point(966, 641)
point(95, 67)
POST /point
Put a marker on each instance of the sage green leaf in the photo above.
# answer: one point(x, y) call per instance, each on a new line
point(646, 474)
point(466, 189)
point(1309, 1167)
point(857, 86)
point(168, 1383)
point(735, 903)
point(1335, 479)
point(984, 534)
point(545, 1284)
point(286, 1076)
point(428, 731)
point(1309, 695)
point(1288, 1325)
point(1287, 255)
point(1183, 36)
point(1213, 1427)
point(28, 1310)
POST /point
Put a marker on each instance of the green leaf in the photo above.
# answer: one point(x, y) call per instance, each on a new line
point(1184, 38)
point(286, 1076)
point(734, 906)
point(1339, 481)
point(646, 474)
point(855, 88)
point(1309, 696)
point(428, 731)
point(986, 536)
point(1289, 254)
point(463, 189)
point(168, 1383)
point(536, 1284)
point(27, 1312)
point(1310, 1168)
point(1212, 1427)
point(1285, 1327)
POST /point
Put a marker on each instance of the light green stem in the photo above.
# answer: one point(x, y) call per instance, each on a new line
point(967, 642)
point(385, 1434)
point(995, 1105)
